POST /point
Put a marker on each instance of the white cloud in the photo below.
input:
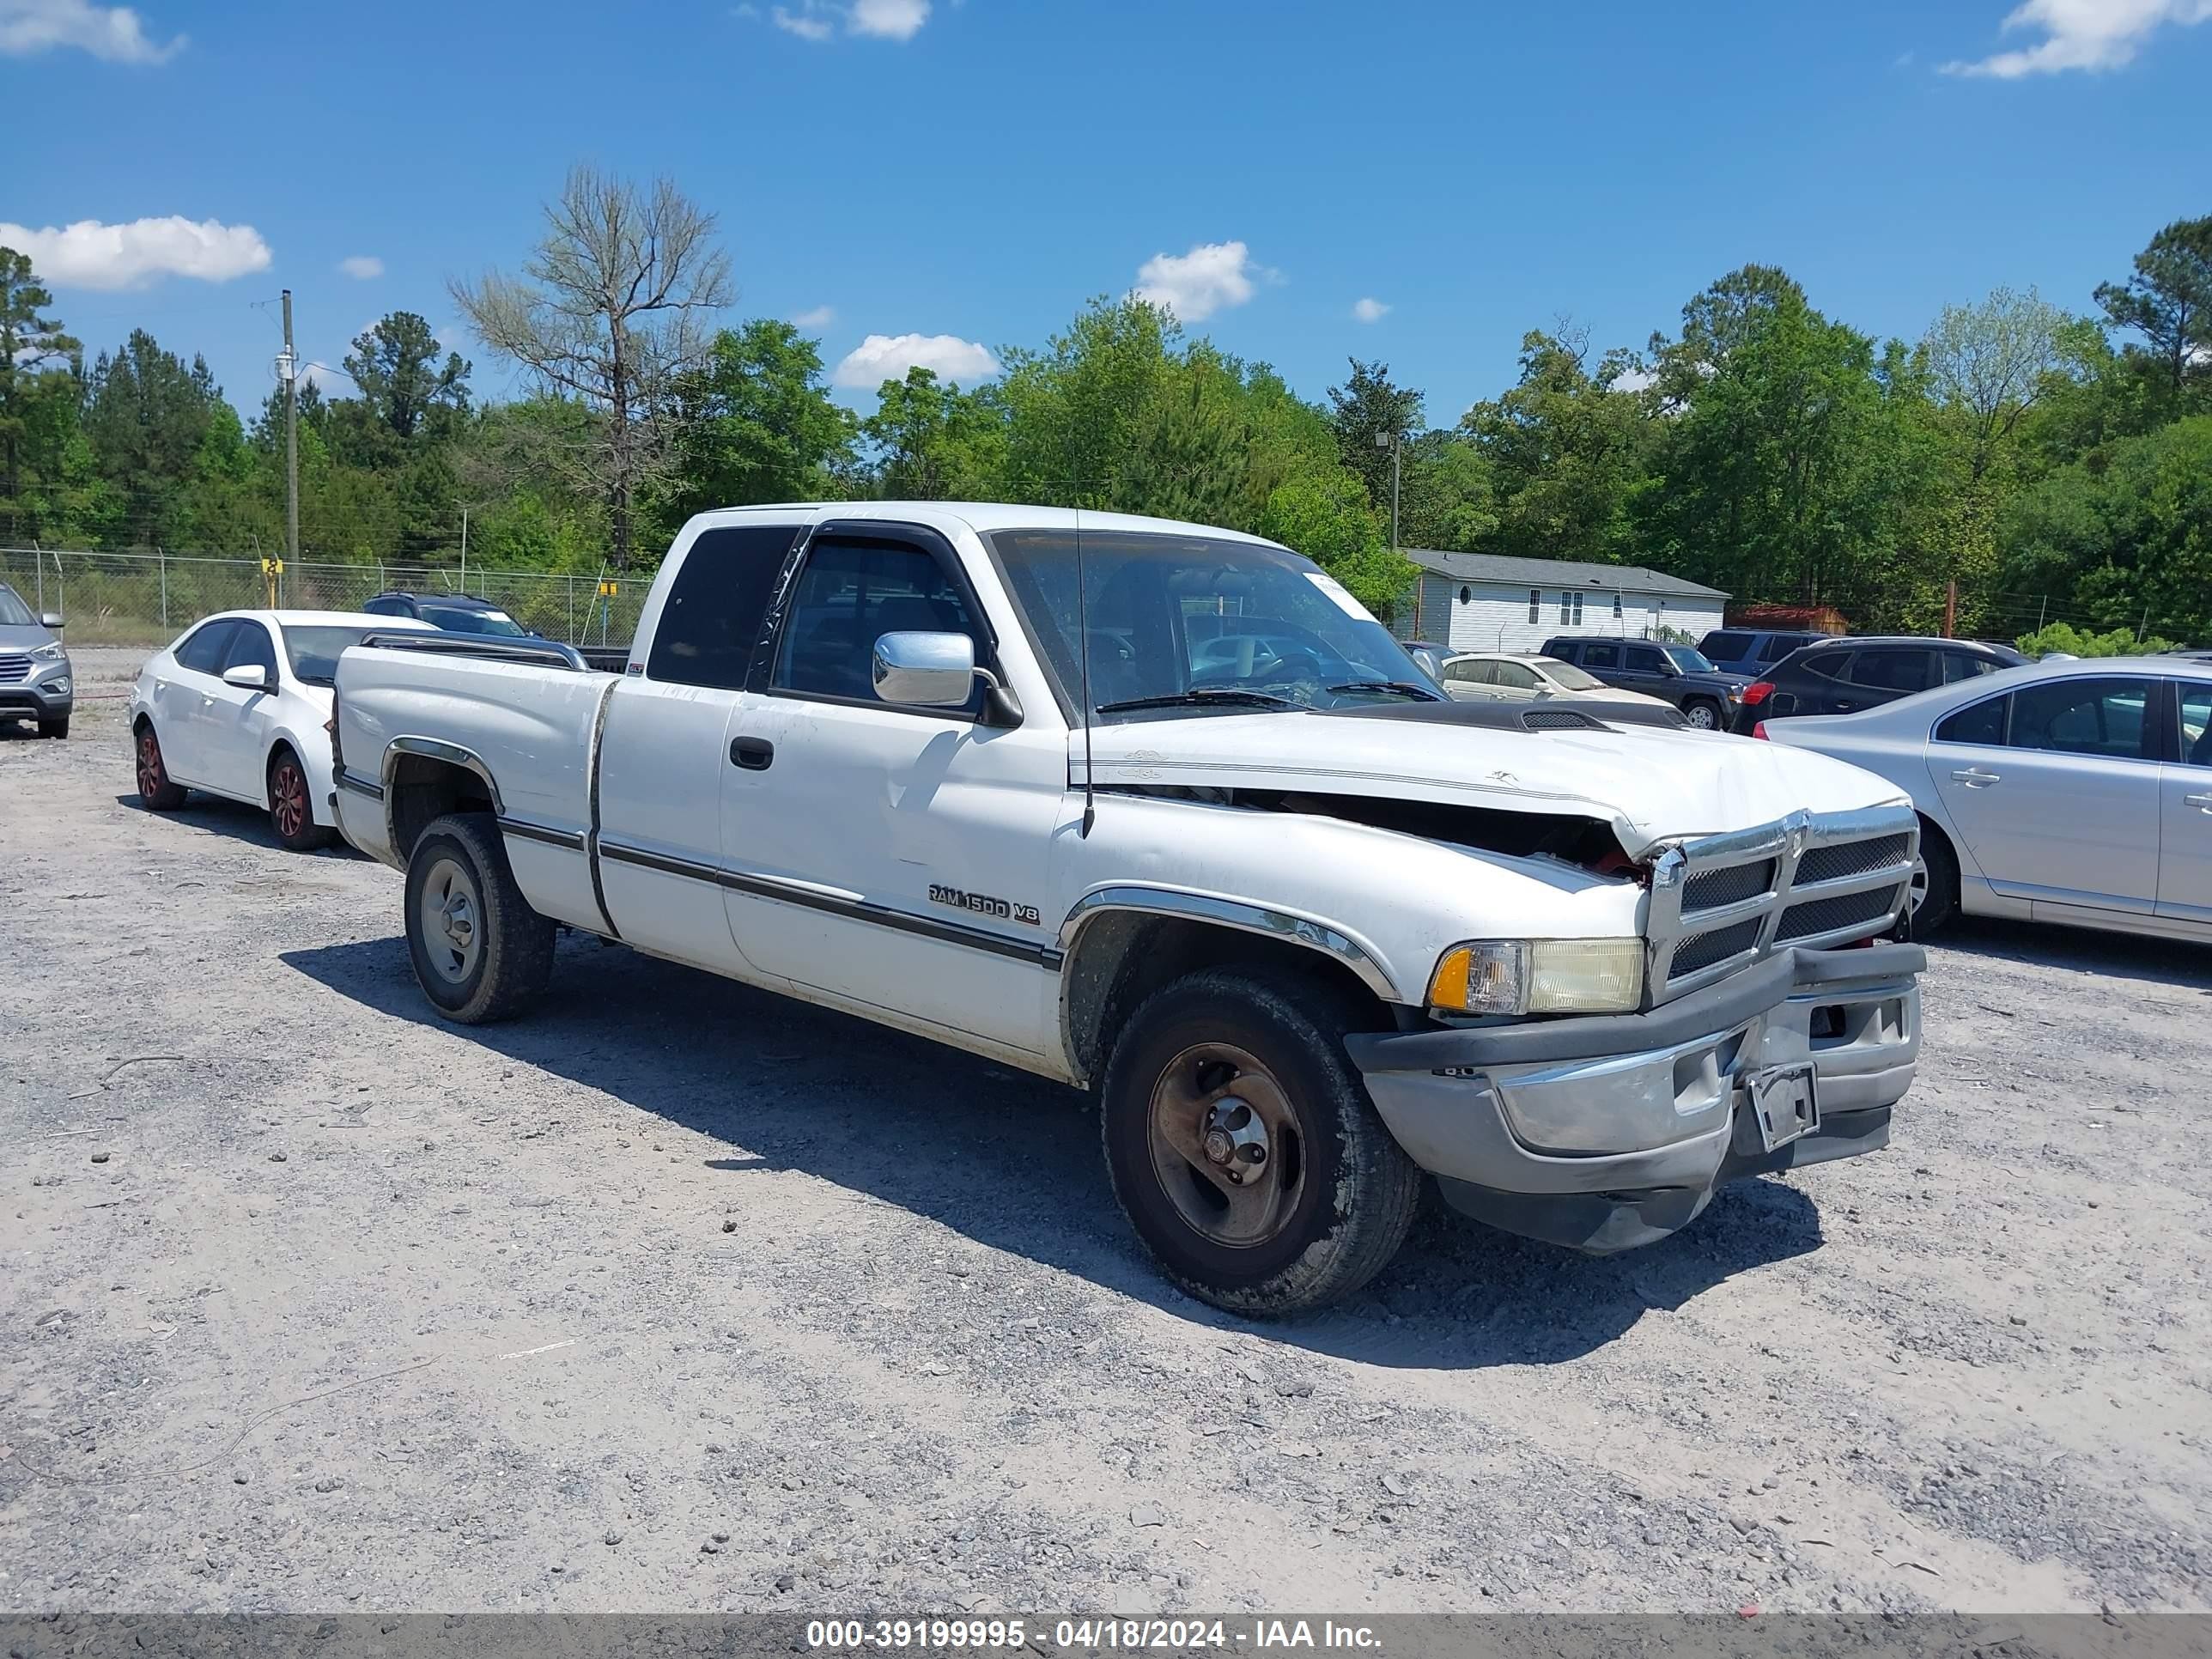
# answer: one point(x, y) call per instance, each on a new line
point(89, 254)
point(363, 267)
point(888, 20)
point(820, 317)
point(1634, 380)
point(820, 21)
point(112, 32)
point(883, 357)
point(1369, 311)
point(1196, 284)
point(2082, 34)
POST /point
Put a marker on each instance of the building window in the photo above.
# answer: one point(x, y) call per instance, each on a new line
point(1616, 607)
point(1464, 594)
point(1535, 604)
point(1571, 609)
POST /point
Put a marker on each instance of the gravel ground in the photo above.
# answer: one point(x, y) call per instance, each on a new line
point(679, 1296)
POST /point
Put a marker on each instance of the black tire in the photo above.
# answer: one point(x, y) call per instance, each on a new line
point(291, 807)
point(459, 857)
point(1939, 902)
point(1703, 715)
point(1356, 1191)
point(54, 728)
point(157, 791)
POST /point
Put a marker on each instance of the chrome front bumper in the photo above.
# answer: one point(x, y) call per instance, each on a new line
point(1605, 1133)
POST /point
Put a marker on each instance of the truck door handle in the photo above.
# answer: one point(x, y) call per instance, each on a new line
point(754, 754)
point(2203, 801)
point(1975, 778)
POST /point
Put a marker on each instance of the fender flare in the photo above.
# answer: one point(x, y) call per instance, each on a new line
point(436, 749)
point(1242, 915)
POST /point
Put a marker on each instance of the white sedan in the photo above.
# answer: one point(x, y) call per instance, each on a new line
point(237, 705)
point(2077, 792)
point(1498, 676)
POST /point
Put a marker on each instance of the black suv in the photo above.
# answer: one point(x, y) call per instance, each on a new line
point(459, 613)
point(1707, 697)
point(1839, 675)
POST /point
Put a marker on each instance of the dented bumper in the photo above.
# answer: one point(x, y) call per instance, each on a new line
point(1605, 1132)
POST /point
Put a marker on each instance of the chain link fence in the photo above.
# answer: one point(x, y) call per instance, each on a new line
point(147, 598)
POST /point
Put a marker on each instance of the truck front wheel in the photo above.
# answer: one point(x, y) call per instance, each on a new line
point(480, 952)
point(1243, 1148)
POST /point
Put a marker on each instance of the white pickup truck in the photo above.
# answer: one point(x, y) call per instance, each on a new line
point(1160, 811)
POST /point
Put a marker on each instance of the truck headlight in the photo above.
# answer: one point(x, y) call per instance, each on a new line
point(1540, 976)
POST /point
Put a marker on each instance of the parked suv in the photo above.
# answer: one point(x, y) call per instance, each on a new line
point(1839, 677)
point(35, 683)
point(1753, 651)
point(459, 613)
point(1673, 673)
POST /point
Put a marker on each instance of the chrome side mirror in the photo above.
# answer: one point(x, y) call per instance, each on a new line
point(50, 620)
point(933, 671)
point(247, 676)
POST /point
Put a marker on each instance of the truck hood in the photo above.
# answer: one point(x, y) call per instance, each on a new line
point(1652, 785)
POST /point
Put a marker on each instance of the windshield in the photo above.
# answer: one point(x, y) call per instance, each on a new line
point(459, 619)
point(1689, 661)
point(314, 651)
point(1205, 623)
point(14, 613)
point(1568, 677)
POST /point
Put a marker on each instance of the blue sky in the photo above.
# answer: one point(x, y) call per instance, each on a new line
point(970, 171)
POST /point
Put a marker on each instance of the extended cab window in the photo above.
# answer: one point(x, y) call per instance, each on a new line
point(2107, 717)
point(711, 620)
point(850, 594)
point(204, 652)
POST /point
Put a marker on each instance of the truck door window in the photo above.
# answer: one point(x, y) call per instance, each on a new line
point(711, 620)
point(850, 594)
point(1600, 656)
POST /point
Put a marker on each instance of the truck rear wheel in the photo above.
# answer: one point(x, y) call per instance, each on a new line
point(1243, 1148)
point(480, 952)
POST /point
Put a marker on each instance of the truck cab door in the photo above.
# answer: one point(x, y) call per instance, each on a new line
point(663, 751)
point(892, 856)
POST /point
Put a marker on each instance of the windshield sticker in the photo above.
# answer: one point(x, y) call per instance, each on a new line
point(1339, 596)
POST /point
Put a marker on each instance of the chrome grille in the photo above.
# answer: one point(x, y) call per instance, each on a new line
point(1853, 857)
point(1810, 880)
point(1826, 915)
point(14, 667)
point(1731, 885)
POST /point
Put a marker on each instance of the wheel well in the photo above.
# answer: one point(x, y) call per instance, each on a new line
point(422, 789)
point(1932, 831)
point(1122, 956)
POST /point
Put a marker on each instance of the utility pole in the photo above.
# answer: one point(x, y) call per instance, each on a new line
point(464, 550)
point(1951, 609)
point(290, 367)
point(1391, 440)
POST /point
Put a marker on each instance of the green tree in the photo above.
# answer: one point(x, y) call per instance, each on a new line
point(2168, 301)
point(146, 415)
point(1568, 452)
point(934, 443)
point(1988, 364)
point(31, 346)
point(759, 424)
point(1326, 518)
point(1369, 413)
point(395, 364)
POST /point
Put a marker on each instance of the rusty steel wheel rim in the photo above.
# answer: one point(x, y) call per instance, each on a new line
point(289, 791)
point(1226, 1145)
point(150, 766)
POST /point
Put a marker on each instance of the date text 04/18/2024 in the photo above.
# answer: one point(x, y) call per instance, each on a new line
point(1168, 1635)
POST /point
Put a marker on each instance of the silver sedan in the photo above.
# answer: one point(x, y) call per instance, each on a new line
point(2076, 792)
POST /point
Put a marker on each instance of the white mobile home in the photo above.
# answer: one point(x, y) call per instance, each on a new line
point(1481, 602)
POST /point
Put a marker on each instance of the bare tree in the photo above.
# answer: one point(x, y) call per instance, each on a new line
point(1988, 361)
point(611, 314)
